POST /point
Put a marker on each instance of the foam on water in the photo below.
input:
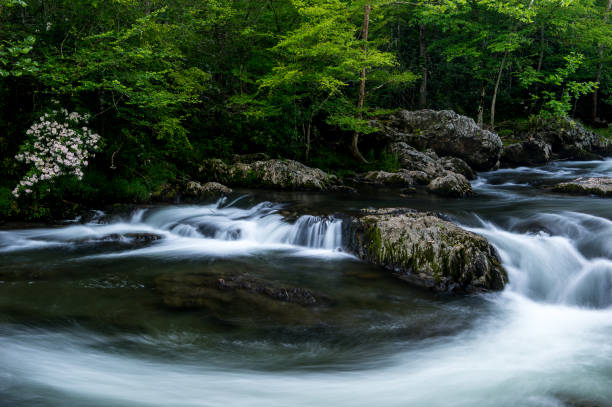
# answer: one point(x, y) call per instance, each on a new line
point(211, 230)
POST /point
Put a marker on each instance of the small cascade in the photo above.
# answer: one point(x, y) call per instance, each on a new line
point(196, 227)
point(558, 261)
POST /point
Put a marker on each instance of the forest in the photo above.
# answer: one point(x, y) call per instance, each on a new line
point(141, 91)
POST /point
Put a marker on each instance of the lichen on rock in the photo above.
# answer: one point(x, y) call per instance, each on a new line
point(426, 250)
point(585, 186)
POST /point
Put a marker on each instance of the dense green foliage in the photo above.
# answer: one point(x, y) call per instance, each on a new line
point(168, 83)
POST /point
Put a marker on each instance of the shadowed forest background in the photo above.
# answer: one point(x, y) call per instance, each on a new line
point(168, 83)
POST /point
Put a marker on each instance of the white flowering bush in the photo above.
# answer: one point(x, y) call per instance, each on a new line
point(59, 144)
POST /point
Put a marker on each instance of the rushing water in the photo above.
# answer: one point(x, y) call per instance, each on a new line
point(82, 321)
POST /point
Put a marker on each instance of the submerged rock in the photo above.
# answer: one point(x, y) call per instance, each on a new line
point(275, 174)
point(240, 298)
point(587, 186)
point(447, 133)
point(569, 138)
point(425, 250)
point(451, 185)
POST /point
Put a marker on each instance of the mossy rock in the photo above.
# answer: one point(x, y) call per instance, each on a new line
point(425, 250)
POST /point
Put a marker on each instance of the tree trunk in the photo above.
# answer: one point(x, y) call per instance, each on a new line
point(600, 65)
point(355, 143)
point(480, 120)
point(424, 70)
point(494, 100)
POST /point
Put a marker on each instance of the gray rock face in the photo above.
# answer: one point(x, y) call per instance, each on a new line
point(208, 190)
point(442, 175)
point(425, 250)
point(459, 166)
point(275, 174)
point(569, 138)
point(413, 160)
point(529, 152)
point(402, 178)
point(447, 133)
point(215, 189)
point(587, 186)
point(450, 185)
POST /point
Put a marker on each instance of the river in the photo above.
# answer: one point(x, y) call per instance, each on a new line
point(82, 322)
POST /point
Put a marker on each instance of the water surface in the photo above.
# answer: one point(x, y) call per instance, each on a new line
point(83, 321)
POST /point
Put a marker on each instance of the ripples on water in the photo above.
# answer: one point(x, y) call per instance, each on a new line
point(81, 322)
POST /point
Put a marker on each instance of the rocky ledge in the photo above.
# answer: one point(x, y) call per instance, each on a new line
point(426, 250)
point(587, 186)
point(548, 139)
point(274, 174)
point(445, 132)
point(447, 176)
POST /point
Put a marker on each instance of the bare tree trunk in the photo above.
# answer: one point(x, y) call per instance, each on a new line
point(424, 70)
point(600, 65)
point(355, 143)
point(496, 88)
point(480, 120)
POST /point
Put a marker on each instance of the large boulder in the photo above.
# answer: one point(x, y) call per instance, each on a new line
point(457, 165)
point(274, 174)
point(447, 133)
point(426, 250)
point(402, 178)
point(587, 186)
point(413, 160)
point(450, 185)
point(569, 138)
point(529, 152)
point(208, 190)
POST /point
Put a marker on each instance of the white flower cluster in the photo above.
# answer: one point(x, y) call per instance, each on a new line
point(56, 145)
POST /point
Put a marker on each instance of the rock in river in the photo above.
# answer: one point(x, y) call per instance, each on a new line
point(451, 185)
point(208, 190)
point(275, 174)
point(587, 186)
point(447, 133)
point(426, 250)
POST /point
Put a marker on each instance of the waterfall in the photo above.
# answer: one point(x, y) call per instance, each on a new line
point(210, 229)
point(562, 258)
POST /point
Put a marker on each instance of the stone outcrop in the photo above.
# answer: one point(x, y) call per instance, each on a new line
point(447, 133)
point(529, 152)
point(274, 174)
point(569, 138)
point(549, 139)
point(208, 190)
point(413, 160)
point(426, 250)
point(444, 176)
point(402, 178)
point(450, 185)
point(587, 186)
point(458, 166)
